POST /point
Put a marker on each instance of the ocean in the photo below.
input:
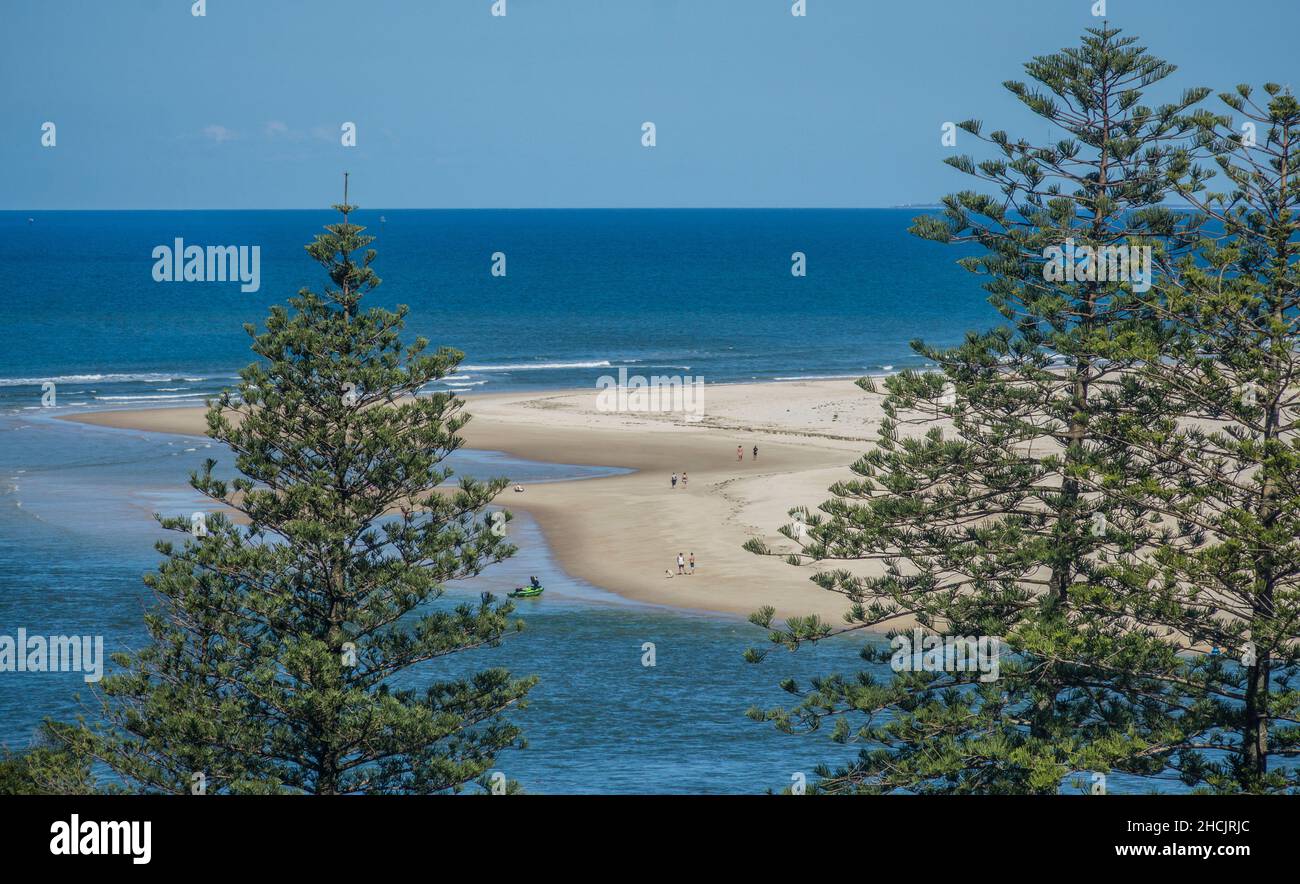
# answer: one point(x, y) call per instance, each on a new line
point(707, 293)
point(701, 293)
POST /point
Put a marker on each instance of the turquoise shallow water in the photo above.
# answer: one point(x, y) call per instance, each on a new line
point(75, 536)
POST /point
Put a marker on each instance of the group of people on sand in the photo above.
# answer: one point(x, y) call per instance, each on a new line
point(740, 455)
point(682, 564)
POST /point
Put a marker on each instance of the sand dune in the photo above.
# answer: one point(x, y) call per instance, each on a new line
point(621, 533)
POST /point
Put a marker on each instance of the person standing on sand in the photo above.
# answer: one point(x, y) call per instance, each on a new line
point(681, 564)
point(755, 452)
point(740, 452)
point(683, 478)
point(692, 564)
point(674, 480)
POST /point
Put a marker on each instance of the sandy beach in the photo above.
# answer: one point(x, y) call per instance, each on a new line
point(623, 532)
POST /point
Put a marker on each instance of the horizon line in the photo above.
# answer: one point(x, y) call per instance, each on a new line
point(1171, 204)
point(498, 208)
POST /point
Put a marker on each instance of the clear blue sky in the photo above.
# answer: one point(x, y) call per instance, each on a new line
point(543, 108)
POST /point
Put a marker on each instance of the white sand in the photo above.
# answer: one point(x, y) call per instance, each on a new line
point(621, 533)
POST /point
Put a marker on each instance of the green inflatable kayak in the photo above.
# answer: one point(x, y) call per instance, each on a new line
point(527, 592)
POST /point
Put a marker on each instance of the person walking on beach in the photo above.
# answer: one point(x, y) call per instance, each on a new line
point(755, 452)
point(674, 480)
point(692, 564)
point(740, 452)
point(683, 478)
point(681, 564)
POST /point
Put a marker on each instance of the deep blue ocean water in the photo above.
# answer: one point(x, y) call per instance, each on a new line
point(706, 293)
point(702, 292)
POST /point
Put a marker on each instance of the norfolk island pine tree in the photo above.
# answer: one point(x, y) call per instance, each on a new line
point(1222, 465)
point(995, 526)
point(273, 644)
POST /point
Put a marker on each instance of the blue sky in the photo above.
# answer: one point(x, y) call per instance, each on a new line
point(156, 108)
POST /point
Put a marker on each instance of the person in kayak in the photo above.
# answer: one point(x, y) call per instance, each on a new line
point(535, 582)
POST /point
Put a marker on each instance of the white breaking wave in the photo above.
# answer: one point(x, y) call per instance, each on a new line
point(821, 377)
point(538, 366)
point(195, 396)
point(95, 378)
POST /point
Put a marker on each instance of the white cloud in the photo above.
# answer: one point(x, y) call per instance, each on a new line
point(219, 133)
